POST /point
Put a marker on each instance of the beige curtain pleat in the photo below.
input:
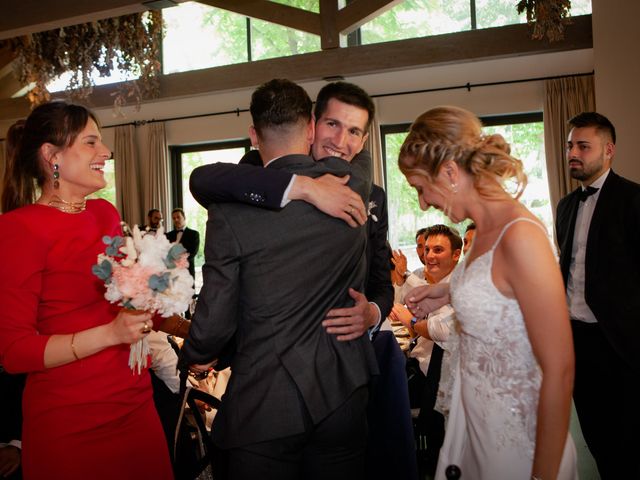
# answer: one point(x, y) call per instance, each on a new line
point(156, 187)
point(128, 199)
point(374, 146)
point(564, 99)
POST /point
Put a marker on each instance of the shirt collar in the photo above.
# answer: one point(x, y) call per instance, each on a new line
point(599, 181)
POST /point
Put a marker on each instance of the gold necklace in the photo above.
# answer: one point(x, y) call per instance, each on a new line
point(67, 207)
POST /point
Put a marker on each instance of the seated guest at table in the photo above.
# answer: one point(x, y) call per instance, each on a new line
point(86, 415)
point(437, 345)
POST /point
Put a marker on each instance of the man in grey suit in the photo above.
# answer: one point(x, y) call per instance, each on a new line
point(295, 406)
point(598, 230)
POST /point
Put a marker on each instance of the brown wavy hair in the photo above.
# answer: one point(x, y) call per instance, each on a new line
point(58, 123)
point(453, 133)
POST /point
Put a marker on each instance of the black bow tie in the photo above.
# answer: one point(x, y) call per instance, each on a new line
point(587, 192)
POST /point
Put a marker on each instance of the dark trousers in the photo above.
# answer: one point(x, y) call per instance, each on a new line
point(331, 450)
point(607, 402)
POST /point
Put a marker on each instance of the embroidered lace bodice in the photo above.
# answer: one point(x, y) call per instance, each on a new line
point(500, 373)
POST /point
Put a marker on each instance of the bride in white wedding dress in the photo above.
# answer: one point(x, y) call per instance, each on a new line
point(511, 402)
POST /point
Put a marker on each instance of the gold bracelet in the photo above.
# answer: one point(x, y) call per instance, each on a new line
point(73, 347)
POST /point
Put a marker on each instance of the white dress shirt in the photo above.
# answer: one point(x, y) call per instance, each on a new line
point(578, 308)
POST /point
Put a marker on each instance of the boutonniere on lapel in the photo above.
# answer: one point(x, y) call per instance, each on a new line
point(372, 205)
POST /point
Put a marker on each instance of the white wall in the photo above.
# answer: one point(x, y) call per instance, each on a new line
point(616, 38)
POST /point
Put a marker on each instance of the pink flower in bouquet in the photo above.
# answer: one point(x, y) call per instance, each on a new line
point(133, 281)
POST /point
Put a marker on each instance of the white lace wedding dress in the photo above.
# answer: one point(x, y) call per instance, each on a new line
point(491, 429)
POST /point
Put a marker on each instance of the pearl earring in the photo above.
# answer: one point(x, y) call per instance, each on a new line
point(454, 187)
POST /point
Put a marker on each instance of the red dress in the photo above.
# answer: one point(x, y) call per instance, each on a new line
point(88, 419)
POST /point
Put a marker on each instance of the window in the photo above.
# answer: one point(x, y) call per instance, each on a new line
point(184, 159)
point(108, 192)
point(199, 36)
point(525, 134)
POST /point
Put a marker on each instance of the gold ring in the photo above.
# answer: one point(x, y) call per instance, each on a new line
point(350, 210)
point(146, 328)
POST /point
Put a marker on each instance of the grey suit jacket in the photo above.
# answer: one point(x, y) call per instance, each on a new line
point(269, 279)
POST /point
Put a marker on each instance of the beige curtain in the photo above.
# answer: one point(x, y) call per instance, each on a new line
point(155, 183)
point(128, 185)
point(374, 145)
point(564, 98)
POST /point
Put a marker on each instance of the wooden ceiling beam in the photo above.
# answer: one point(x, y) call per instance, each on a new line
point(277, 13)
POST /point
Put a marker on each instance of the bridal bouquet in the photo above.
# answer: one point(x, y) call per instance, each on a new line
point(144, 271)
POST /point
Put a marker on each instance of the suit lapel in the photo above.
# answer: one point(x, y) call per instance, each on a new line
point(602, 209)
point(568, 217)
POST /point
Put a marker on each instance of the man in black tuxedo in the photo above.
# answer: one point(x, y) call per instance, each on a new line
point(343, 114)
point(295, 406)
point(598, 232)
point(189, 238)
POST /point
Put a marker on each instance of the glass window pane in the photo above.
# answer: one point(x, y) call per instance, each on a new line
point(527, 144)
point(198, 36)
point(418, 18)
point(269, 40)
point(108, 192)
point(196, 215)
point(497, 13)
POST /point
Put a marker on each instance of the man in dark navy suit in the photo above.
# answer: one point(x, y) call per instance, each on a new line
point(598, 231)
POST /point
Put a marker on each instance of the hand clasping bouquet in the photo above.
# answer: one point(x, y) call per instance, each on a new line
point(144, 271)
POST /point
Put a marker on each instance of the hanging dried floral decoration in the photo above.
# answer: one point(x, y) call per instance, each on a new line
point(130, 43)
point(548, 17)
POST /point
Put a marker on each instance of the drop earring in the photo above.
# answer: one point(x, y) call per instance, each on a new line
point(454, 188)
point(56, 176)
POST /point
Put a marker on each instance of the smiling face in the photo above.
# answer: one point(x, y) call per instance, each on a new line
point(440, 259)
point(178, 220)
point(589, 154)
point(81, 165)
point(340, 131)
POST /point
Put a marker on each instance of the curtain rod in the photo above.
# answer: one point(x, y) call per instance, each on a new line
point(468, 86)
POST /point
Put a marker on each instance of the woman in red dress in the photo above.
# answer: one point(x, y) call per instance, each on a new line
point(86, 415)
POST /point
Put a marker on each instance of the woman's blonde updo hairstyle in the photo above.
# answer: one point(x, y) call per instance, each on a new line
point(452, 133)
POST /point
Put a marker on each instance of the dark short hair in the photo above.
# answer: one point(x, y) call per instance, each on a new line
point(594, 119)
point(420, 232)
point(449, 232)
point(279, 103)
point(471, 226)
point(180, 210)
point(151, 212)
point(344, 92)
